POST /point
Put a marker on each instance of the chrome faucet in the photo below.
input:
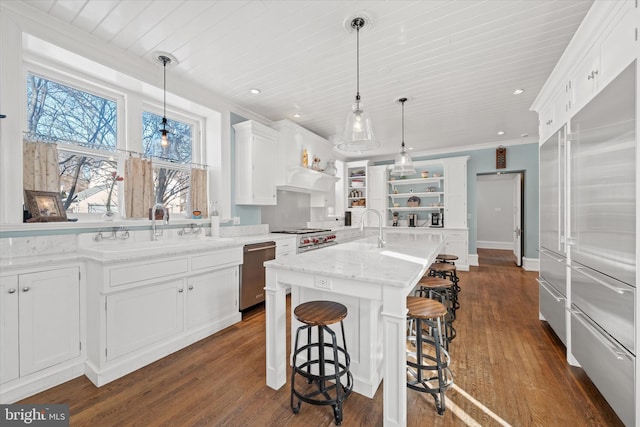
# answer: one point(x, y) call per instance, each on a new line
point(165, 220)
point(381, 242)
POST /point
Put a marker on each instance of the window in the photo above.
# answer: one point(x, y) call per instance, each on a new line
point(84, 124)
point(85, 127)
point(171, 163)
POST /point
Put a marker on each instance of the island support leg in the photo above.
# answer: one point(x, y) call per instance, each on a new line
point(394, 318)
point(276, 330)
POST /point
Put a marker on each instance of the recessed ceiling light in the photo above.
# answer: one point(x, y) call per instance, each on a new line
point(296, 115)
point(500, 132)
point(518, 91)
point(255, 91)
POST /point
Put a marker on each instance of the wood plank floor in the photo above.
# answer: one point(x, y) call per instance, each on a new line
point(503, 356)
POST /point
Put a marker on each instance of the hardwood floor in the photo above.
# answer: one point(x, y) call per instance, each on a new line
point(503, 356)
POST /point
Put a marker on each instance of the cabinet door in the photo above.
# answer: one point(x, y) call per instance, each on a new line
point(263, 181)
point(455, 194)
point(141, 317)
point(457, 244)
point(212, 297)
point(49, 318)
point(9, 362)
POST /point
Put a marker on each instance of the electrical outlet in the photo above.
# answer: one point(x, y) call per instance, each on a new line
point(323, 283)
point(236, 220)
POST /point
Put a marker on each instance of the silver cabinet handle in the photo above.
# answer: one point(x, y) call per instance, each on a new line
point(12, 291)
point(553, 292)
point(180, 290)
point(548, 253)
point(26, 289)
point(191, 288)
point(261, 248)
point(613, 348)
point(599, 281)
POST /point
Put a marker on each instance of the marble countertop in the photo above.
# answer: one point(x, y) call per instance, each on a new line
point(402, 261)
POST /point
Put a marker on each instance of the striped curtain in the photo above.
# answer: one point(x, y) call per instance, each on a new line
point(198, 191)
point(138, 187)
point(40, 167)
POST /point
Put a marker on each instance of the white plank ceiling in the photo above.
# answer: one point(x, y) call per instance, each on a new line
point(458, 62)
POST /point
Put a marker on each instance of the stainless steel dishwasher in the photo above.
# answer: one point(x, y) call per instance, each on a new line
point(252, 277)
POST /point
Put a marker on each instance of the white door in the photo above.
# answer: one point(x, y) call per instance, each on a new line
point(517, 219)
point(9, 364)
point(49, 314)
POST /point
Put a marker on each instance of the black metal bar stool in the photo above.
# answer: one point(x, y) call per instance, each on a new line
point(447, 271)
point(441, 290)
point(321, 367)
point(447, 258)
point(427, 360)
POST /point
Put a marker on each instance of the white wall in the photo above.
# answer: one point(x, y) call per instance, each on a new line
point(495, 202)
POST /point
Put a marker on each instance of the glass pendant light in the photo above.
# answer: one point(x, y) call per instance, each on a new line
point(165, 140)
point(403, 165)
point(358, 132)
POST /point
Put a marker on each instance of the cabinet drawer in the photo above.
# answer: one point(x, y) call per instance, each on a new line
point(609, 366)
point(553, 269)
point(552, 308)
point(608, 302)
point(147, 271)
point(216, 259)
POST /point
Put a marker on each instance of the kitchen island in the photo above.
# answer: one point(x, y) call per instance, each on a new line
point(373, 283)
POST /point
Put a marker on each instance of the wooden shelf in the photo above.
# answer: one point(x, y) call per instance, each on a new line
point(417, 209)
point(416, 181)
point(424, 194)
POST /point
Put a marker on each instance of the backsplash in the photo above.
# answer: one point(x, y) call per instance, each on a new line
point(37, 245)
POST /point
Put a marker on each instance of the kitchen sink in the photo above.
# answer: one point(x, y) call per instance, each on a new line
point(119, 248)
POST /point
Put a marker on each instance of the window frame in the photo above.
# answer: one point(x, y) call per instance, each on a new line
point(129, 108)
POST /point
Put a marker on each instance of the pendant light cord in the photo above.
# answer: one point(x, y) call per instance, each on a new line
point(164, 102)
point(358, 63)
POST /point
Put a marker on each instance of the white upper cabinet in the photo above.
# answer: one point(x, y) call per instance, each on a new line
point(455, 194)
point(255, 164)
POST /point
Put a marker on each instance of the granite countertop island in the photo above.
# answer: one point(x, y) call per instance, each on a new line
point(373, 283)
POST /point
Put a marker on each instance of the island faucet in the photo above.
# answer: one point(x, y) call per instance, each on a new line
point(165, 220)
point(381, 241)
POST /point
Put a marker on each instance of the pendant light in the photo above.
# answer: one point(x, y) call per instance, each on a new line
point(358, 132)
point(165, 140)
point(403, 165)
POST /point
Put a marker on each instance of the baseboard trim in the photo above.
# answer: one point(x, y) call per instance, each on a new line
point(486, 244)
point(530, 264)
point(473, 260)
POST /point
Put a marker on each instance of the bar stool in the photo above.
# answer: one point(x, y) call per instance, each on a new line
point(321, 367)
point(447, 271)
point(441, 290)
point(447, 258)
point(427, 360)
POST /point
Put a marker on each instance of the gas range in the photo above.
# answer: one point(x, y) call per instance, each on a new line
point(311, 238)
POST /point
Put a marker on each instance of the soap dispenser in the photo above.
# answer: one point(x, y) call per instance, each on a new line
point(215, 220)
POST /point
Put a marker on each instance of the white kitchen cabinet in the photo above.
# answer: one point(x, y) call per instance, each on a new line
point(377, 199)
point(133, 322)
point(40, 321)
point(9, 329)
point(455, 192)
point(140, 317)
point(212, 296)
point(255, 146)
point(356, 189)
point(457, 243)
point(286, 247)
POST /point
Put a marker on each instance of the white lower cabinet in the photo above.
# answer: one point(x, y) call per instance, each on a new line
point(39, 322)
point(141, 317)
point(136, 316)
point(212, 296)
point(458, 244)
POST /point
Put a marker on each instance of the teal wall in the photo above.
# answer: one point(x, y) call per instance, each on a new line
point(249, 215)
point(520, 158)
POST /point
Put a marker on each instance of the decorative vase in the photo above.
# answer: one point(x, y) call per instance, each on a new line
point(108, 216)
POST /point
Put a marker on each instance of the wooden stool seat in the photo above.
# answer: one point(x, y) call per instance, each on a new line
point(434, 282)
point(447, 257)
point(442, 268)
point(425, 308)
point(320, 313)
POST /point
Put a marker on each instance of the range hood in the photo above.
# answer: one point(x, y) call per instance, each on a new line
point(298, 177)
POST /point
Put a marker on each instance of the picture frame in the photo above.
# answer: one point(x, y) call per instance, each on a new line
point(44, 206)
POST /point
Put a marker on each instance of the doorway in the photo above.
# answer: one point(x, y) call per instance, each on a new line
point(500, 212)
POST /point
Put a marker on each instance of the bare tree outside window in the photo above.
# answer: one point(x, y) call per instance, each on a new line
point(56, 112)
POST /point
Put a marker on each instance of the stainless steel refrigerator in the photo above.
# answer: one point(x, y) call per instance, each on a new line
point(601, 234)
